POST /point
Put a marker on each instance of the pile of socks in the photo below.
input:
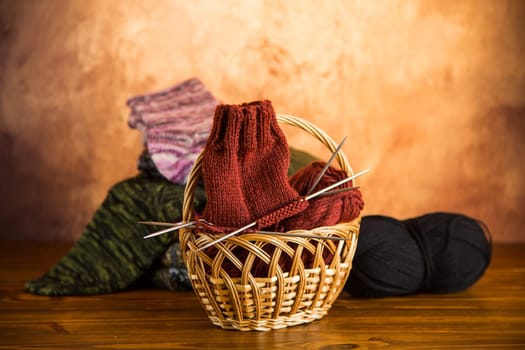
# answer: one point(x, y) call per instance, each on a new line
point(111, 254)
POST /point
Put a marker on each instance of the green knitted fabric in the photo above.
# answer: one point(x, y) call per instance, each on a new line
point(112, 254)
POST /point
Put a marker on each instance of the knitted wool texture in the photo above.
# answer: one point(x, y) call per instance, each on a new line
point(325, 210)
point(244, 168)
point(322, 211)
point(112, 253)
point(171, 273)
point(432, 253)
point(175, 124)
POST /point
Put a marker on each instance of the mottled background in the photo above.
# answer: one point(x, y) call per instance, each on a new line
point(430, 93)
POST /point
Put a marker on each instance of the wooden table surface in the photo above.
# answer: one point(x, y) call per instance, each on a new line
point(489, 315)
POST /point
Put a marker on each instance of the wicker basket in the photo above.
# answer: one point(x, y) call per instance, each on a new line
point(283, 298)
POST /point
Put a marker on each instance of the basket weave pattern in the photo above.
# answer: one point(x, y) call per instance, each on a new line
point(302, 292)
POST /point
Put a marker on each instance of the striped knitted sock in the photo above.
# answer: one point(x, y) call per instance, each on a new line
point(111, 254)
point(175, 124)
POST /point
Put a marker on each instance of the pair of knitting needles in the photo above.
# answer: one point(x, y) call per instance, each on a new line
point(308, 196)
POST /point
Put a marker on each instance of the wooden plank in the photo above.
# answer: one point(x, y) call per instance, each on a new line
point(490, 315)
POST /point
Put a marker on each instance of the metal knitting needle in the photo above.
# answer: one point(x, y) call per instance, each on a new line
point(328, 188)
point(346, 189)
point(313, 195)
point(227, 236)
point(301, 235)
point(174, 228)
point(169, 224)
point(325, 168)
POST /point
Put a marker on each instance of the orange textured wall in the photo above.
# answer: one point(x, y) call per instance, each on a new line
point(430, 93)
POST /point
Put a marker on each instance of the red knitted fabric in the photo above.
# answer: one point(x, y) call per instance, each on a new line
point(326, 210)
point(322, 211)
point(221, 171)
point(245, 166)
point(266, 158)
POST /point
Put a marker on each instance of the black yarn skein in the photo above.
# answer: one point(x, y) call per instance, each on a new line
point(433, 253)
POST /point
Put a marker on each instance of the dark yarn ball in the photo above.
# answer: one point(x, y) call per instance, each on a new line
point(433, 253)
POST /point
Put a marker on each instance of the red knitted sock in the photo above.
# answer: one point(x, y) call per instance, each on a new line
point(265, 159)
point(226, 206)
point(245, 166)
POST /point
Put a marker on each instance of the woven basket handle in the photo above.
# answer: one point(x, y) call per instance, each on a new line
point(286, 119)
